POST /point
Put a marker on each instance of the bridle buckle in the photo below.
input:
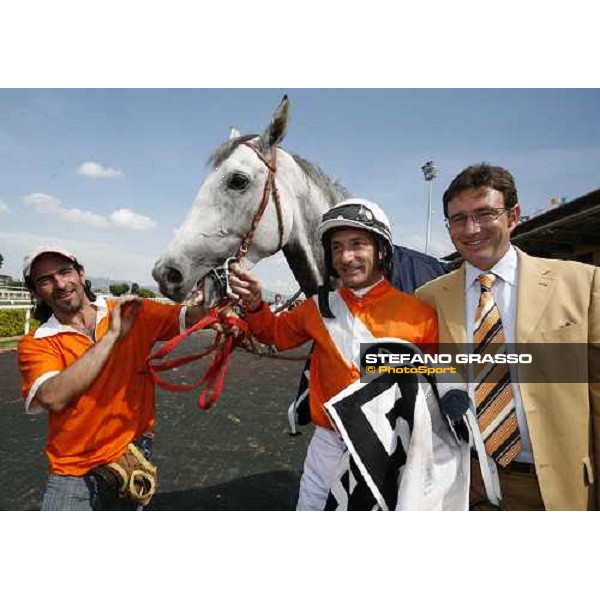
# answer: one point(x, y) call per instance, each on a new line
point(220, 279)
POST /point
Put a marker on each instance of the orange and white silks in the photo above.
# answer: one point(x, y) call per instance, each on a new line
point(383, 311)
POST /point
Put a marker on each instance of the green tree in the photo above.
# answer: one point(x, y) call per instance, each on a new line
point(146, 293)
point(118, 289)
point(10, 282)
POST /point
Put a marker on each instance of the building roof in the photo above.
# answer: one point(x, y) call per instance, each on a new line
point(563, 229)
point(560, 232)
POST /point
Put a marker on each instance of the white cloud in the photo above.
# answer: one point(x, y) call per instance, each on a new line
point(76, 215)
point(46, 204)
point(100, 259)
point(95, 170)
point(4, 207)
point(124, 217)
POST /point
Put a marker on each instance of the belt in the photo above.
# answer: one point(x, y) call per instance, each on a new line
point(518, 467)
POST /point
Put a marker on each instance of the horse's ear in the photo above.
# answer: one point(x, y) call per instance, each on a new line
point(234, 132)
point(277, 128)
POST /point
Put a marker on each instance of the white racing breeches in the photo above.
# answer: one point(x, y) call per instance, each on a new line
point(321, 466)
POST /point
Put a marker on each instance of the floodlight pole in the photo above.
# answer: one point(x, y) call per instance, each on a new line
point(429, 172)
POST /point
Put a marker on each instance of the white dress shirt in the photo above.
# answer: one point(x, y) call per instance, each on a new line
point(504, 290)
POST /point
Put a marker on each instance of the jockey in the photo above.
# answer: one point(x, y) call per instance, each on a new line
point(358, 304)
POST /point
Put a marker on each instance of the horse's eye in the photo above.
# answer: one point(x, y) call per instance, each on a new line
point(238, 182)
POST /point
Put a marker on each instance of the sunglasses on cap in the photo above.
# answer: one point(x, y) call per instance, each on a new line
point(354, 212)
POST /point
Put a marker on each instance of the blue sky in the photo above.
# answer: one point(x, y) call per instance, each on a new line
point(111, 173)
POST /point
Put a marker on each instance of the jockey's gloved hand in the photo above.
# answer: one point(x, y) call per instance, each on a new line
point(454, 404)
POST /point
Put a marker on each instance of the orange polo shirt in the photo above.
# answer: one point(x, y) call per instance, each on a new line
point(383, 310)
point(118, 407)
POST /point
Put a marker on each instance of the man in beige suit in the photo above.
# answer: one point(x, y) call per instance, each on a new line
point(552, 458)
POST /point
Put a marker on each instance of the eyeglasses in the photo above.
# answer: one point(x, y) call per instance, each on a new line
point(482, 215)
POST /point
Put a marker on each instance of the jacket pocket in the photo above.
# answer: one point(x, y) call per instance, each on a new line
point(569, 331)
point(588, 471)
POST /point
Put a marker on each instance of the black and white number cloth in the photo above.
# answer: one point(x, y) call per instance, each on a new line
point(401, 453)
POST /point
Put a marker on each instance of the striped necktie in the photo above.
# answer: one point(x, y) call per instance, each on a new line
point(494, 400)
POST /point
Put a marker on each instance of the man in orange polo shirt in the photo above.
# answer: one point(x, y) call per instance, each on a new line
point(86, 366)
point(357, 242)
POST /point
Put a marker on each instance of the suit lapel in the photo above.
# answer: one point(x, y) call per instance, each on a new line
point(452, 306)
point(536, 283)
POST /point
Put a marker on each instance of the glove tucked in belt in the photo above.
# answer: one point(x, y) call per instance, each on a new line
point(132, 475)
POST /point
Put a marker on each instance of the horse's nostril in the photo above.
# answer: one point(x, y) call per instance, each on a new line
point(173, 275)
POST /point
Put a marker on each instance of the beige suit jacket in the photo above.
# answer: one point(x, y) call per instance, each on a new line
point(558, 302)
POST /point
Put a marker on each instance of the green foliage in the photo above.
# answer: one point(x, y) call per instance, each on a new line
point(118, 289)
point(10, 282)
point(146, 293)
point(12, 322)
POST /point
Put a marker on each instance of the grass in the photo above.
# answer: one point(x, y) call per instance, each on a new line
point(8, 344)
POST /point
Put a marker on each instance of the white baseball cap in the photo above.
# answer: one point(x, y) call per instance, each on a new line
point(29, 260)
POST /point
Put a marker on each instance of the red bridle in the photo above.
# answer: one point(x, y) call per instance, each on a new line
point(270, 190)
point(214, 377)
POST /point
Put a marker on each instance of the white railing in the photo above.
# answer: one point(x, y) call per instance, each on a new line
point(24, 303)
point(14, 298)
point(12, 295)
point(27, 307)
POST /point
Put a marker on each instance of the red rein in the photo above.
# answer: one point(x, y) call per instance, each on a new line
point(214, 377)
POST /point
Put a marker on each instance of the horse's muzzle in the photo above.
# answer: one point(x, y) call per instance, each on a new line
point(170, 282)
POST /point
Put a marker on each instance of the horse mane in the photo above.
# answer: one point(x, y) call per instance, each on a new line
point(334, 191)
point(225, 150)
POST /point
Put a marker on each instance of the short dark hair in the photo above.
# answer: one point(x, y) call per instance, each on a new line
point(30, 284)
point(41, 311)
point(483, 175)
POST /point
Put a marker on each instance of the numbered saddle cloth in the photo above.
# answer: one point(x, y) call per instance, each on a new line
point(401, 453)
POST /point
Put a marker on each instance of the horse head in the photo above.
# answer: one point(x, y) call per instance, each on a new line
point(244, 170)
